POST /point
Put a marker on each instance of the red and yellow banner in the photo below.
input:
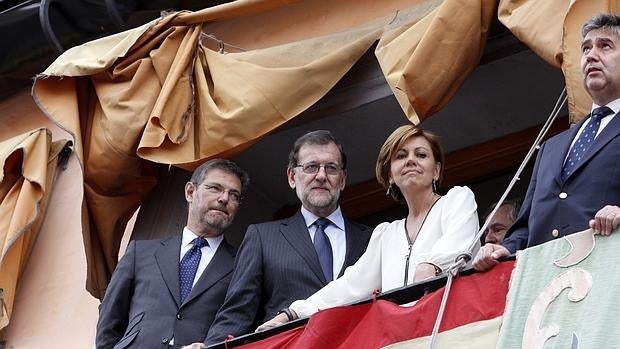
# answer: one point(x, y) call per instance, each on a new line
point(472, 317)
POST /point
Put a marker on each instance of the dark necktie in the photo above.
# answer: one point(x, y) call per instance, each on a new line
point(324, 248)
point(584, 141)
point(189, 265)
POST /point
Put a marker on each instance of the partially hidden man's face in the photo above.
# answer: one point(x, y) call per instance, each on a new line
point(600, 65)
point(498, 226)
point(319, 192)
point(213, 203)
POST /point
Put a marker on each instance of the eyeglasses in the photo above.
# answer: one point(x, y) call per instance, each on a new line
point(217, 190)
point(314, 167)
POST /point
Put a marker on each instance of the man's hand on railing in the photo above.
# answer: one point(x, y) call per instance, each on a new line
point(488, 256)
point(606, 220)
point(278, 320)
point(194, 346)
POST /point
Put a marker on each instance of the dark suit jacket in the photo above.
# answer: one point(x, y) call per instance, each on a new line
point(276, 265)
point(567, 206)
point(141, 307)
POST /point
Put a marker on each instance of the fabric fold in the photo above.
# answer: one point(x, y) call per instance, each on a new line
point(29, 162)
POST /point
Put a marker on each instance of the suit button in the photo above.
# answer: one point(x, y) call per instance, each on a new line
point(179, 316)
point(563, 195)
point(555, 233)
point(165, 340)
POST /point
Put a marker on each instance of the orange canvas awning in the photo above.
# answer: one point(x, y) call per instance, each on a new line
point(426, 61)
point(162, 93)
point(29, 163)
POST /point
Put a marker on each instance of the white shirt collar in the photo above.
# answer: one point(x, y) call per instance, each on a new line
point(613, 105)
point(335, 217)
point(189, 236)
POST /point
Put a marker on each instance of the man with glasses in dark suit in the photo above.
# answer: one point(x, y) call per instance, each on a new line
point(165, 293)
point(281, 261)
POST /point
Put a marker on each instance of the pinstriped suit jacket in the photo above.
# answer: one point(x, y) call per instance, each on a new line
point(276, 265)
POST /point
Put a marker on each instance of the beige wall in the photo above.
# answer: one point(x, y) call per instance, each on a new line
point(52, 308)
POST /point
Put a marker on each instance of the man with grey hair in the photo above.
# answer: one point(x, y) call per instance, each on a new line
point(501, 221)
point(289, 259)
point(165, 293)
point(576, 179)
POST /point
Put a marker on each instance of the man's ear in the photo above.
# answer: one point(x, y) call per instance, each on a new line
point(344, 180)
point(290, 176)
point(189, 191)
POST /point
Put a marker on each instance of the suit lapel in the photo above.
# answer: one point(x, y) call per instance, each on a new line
point(220, 265)
point(354, 246)
point(609, 132)
point(560, 145)
point(167, 257)
point(296, 233)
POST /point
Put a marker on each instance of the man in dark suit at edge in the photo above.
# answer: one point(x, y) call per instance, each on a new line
point(165, 293)
point(281, 261)
point(573, 189)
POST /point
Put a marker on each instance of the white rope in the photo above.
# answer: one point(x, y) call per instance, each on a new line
point(462, 259)
point(535, 146)
point(452, 272)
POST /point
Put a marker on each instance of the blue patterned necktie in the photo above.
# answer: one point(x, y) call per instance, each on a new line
point(189, 265)
point(584, 141)
point(324, 248)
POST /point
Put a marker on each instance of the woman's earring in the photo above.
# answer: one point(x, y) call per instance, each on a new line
point(389, 189)
point(434, 185)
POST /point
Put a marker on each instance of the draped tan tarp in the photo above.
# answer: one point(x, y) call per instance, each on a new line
point(29, 164)
point(552, 29)
point(159, 93)
point(426, 63)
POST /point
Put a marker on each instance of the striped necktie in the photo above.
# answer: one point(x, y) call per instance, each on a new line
point(324, 248)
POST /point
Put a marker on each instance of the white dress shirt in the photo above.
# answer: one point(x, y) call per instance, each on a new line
point(335, 233)
point(613, 105)
point(207, 251)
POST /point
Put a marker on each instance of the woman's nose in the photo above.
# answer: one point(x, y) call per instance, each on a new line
point(411, 160)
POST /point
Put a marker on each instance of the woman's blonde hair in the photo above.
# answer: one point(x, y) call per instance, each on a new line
point(393, 143)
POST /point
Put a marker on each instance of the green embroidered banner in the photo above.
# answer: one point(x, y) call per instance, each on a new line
point(564, 294)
